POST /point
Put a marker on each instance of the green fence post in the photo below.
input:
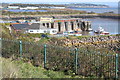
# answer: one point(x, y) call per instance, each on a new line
point(76, 59)
point(1, 47)
point(45, 56)
point(20, 44)
point(116, 71)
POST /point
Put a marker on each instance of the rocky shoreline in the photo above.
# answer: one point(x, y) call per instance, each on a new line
point(111, 42)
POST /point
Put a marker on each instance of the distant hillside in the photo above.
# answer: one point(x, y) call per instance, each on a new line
point(37, 5)
point(76, 5)
point(84, 5)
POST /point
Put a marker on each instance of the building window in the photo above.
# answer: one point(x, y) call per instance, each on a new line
point(52, 25)
point(45, 31)
point(31, 31)
point(43, 24)
point(47, 25)
point(54, 31)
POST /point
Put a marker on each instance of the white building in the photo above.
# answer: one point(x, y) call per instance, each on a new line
point(50, 31)
point(38, 28)
point(23, 8)
point(32, 7)
point(58, 7)
point(29, 7)
point(13, 7)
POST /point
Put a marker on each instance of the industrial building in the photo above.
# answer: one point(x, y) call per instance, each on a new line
point(54, 26)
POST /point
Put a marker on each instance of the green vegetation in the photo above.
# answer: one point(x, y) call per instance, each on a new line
point(49, 12)
point(47, 5)
point(5, 31)
point(20, 69)
point(60, 59)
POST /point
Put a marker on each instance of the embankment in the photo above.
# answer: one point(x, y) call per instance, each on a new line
point(28, 17)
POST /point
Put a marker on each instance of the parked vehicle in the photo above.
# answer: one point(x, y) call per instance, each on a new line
point(101, 31)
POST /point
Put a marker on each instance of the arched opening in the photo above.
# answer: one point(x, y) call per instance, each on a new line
point(47, 25)
point(59, 27)
point(72, 26)
point(78, 24)
point(43, 24)
point(52, 25)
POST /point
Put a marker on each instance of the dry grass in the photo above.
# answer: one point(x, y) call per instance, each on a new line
point(8, 69)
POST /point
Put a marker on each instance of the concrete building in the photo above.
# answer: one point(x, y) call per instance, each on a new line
point(63, 25)
point(31, 28)
point(38, 28)
point(53, 26)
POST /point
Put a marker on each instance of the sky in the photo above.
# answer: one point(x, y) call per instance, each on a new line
point(111, 3)
point(42, 1)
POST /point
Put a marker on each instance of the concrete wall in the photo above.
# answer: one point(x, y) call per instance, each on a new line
point(68, 25)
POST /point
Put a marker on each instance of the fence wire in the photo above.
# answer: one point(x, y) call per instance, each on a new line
point(87, 61)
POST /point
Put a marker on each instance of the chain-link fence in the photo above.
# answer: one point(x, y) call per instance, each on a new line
point(85, 61)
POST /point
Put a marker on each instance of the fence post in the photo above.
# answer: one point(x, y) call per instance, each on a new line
point(1, 47)
point(45, 56)
point(76, 59)
point(116, 71)
point(20, 44)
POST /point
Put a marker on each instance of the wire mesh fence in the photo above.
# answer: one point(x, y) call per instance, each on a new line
point(96, 64)
point(86, 61)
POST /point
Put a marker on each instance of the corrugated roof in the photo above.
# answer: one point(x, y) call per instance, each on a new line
point(34, 26)
point(20, 26)
point(28, 26)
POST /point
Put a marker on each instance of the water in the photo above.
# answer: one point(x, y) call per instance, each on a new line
point(98, 10)
point(109, 25)
point(18, 10)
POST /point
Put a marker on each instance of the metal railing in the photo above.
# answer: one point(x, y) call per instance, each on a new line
point(84, 61)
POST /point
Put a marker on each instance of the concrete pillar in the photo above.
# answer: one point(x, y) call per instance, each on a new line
point(41, 25)
point(49, 25)
point(83, 26)
point(63, 26)
point(66, 26)
point(86, 25)
point(75, 25)
point(80, 24)
point(69, 26)
point(56, 25)
point(89, 25)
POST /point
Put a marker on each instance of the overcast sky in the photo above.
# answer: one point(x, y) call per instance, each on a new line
point(42, 1)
